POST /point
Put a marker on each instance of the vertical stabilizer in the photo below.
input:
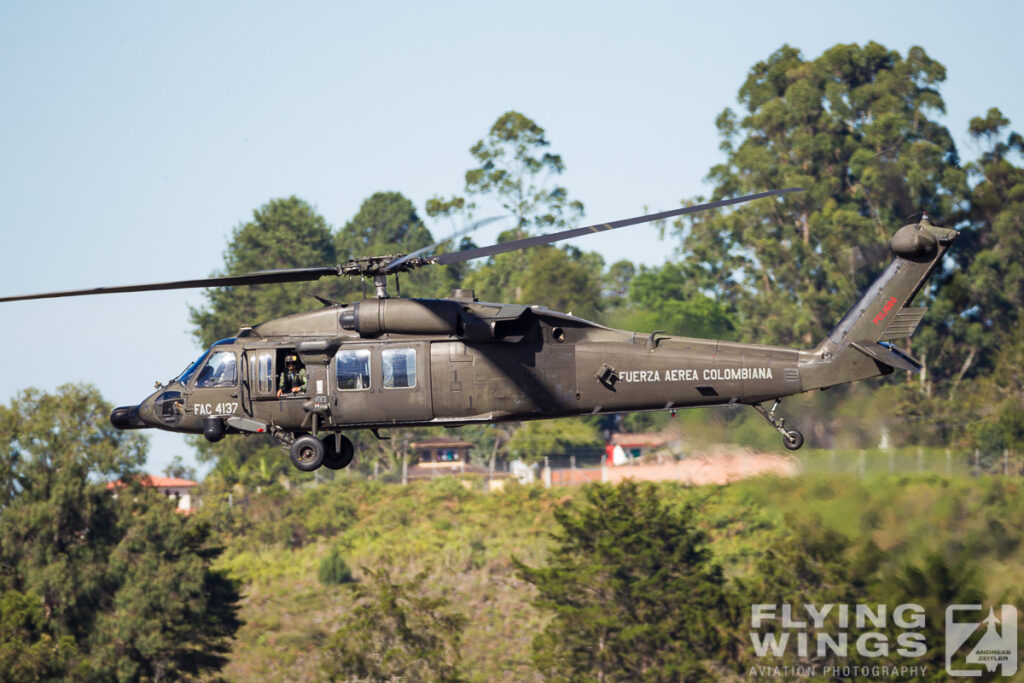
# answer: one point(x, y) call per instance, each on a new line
point(860, 345)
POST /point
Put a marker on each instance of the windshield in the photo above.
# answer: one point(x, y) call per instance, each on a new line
point(187, 373)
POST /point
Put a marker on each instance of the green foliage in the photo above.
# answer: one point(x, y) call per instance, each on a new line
point(283, 233)
point(979, 304)
point(396, 632)
point(851, 126)
point(257, 460)
point(177, 469)
point(660, 301)
point(58, 524)
point(812, 537)
point(533, 440)
point(171, 615)
point(28, 650)
point(463, 539)
point(634, 592)
point(560, 279)
point(333, 569)
point(387, 223)
point(515, 169)
point(514, 177)
point(274, 516)
point(124, 584)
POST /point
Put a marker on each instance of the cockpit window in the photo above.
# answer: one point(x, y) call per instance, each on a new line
point(187, 373)
point(219, 371)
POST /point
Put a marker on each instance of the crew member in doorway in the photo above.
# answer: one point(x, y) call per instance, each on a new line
point(293, 379)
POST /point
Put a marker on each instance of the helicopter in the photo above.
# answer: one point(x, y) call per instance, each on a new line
point(307, 378)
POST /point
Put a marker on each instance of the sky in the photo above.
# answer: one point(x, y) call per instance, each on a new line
point(135, 136)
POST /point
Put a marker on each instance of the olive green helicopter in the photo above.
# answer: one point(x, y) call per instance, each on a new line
point(307, 378)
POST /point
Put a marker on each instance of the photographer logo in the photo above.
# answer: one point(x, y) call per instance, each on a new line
point(976, 643)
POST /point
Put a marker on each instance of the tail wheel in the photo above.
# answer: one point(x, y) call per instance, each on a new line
point(307, 453)
point(793, 440)
point(338, 459)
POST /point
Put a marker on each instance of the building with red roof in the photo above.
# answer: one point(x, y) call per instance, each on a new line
point(181, 490)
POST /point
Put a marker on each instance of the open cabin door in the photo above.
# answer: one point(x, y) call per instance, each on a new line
point(262, 377)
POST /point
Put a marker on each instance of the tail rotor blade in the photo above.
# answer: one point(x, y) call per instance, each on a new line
point(858, 258)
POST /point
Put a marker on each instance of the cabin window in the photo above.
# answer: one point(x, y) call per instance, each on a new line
point(169, 407)
point(352, 367)
point(399, 368)
point(265, 373)
point(219, 371)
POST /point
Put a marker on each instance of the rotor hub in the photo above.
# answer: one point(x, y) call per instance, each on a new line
point(373, 266)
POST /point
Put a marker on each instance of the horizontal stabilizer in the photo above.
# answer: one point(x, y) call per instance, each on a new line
point(903, 323)
point(887, 354)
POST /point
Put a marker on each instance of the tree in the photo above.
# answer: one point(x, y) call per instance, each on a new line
point(971, 337)
point(171, 616)
point(395, 633)
point(853, 128)
point(631, 589)
point(124, 584)
point(58, 523)
point(660, 300)
point(28, 648)
point(806, 563)
point(515, 175)
point(177, 469)
point(992, 406)
point(333, 568)
point(283, 233)
point(515, 171)
point(533, 440)
point(979, 305)
point(387, 223)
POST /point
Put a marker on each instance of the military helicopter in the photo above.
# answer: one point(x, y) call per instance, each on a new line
point(387, 362)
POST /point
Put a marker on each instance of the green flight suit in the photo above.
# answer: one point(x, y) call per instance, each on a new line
point(290, 379)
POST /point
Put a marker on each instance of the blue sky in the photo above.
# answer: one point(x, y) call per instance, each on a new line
point(135, 136)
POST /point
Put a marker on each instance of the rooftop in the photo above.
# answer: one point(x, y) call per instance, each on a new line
point(158, 482)
point(441, 442)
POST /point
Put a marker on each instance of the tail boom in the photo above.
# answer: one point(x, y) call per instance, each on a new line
point(860, 345)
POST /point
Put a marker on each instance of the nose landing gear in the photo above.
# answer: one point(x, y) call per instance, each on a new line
point(791, 439)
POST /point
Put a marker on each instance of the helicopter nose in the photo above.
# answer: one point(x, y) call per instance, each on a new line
point(126, 417)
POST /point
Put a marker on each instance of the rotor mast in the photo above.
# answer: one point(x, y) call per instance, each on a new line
point(379, 267)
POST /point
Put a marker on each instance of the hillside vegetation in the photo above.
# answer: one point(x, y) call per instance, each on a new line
point(923, 538)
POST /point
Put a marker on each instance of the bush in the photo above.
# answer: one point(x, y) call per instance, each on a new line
point(333, 569)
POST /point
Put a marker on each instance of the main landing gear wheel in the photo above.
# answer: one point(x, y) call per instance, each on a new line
point(338, 459)
point(793, 440)
point(307, 452)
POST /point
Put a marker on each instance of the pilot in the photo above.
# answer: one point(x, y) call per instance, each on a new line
point(293, 379)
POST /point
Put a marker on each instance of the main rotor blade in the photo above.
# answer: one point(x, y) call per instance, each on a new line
point(259, 278)
point(464, 231)
point(513, 245)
